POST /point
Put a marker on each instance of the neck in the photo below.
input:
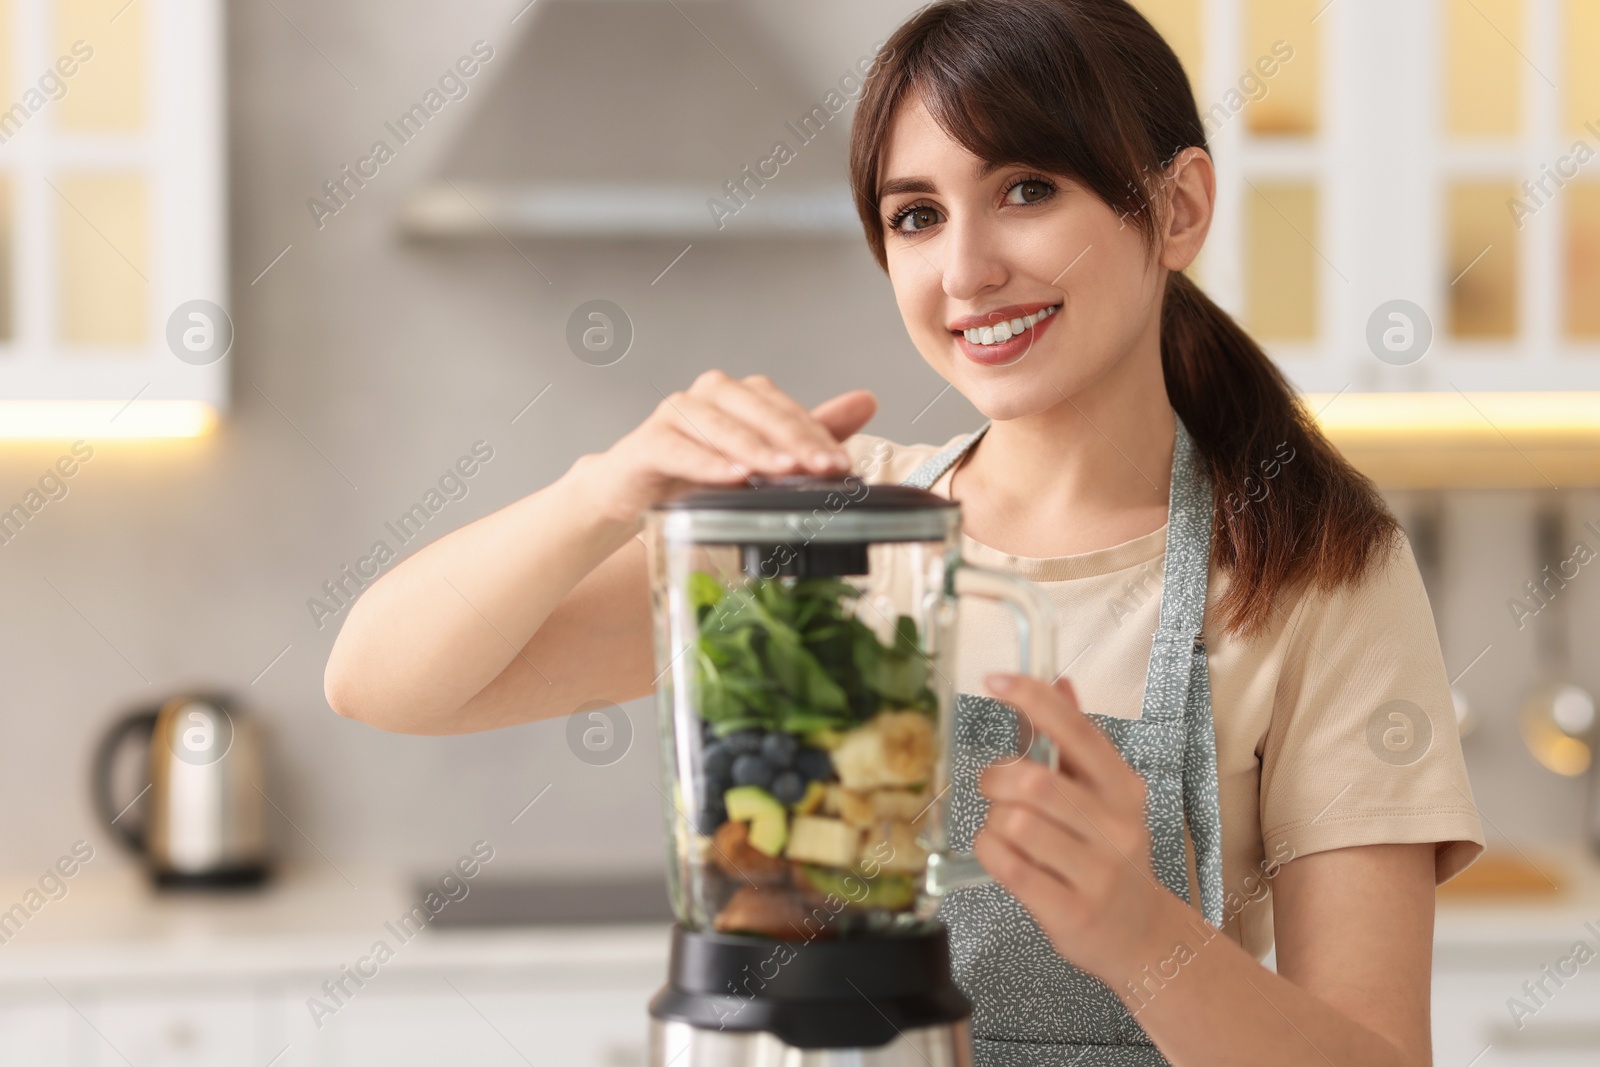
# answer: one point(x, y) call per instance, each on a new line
point(1090, 471)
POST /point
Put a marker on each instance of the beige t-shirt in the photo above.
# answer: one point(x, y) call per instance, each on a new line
point(1313, 752)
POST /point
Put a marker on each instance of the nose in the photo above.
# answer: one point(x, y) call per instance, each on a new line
point(977, 261)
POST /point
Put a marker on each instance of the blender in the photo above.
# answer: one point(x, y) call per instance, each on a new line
point(804, 632)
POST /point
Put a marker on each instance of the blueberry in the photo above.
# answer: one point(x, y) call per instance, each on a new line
point(789, 787)
point(716, 761)
point(779, 749)
point(742, 741)
point(750, 769)
point(814, 764)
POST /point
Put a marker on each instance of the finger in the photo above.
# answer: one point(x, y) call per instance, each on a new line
point(685, 457)
point(1044, 841)
point(1069, 803)
point(1082, 750)
point(1039, 890)
point(846, 413)
point(736, 440)
point(788, 426)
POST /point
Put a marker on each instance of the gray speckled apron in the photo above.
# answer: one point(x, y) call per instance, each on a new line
point(1030, 1006)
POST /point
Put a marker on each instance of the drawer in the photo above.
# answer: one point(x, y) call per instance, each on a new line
point(1473, 1011)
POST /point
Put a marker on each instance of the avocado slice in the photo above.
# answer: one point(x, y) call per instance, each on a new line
point(896, 892)
point(768, 819)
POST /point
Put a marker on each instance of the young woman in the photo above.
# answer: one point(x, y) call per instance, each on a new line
point(1254, 694)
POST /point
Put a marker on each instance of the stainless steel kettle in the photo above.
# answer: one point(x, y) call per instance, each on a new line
point(203, 820)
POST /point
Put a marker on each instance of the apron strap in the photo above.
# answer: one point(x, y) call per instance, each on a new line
point(933, 468)
point(1177, 681)
point(1184, 574)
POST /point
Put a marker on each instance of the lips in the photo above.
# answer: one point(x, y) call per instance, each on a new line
point(1016, 346)
point(1005, 314)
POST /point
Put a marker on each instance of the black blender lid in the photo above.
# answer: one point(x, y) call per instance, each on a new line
point(805, 492)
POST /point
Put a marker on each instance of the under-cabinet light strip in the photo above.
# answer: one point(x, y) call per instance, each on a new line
point(1438, 418)
point(96, 420)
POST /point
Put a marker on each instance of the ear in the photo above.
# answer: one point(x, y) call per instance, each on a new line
point(1191, 199)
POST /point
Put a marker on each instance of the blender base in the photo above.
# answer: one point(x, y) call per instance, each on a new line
point(734, 1000)
point(677, 1044)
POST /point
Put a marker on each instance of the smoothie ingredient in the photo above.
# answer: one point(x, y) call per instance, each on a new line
point(831, 842)
point(769, 823)
point(894, 749)
point(789, 655)
point(893, 891)
point(766, 910)
point(732, 854)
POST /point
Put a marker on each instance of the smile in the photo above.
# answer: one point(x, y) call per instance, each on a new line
point(1006, 329)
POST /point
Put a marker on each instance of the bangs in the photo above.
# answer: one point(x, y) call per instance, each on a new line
point(1020, 84)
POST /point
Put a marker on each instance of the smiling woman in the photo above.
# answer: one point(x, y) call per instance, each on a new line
point(1014, 159)
point(1034, 178)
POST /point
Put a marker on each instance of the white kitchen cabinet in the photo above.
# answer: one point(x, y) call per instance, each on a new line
point(36, 1031)
point(171, 1027)
point(1470, 1014)
point(112, 218)
point(1349, 153)
point(423, 1022)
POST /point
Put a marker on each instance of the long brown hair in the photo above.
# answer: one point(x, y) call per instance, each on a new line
point(1089, 90)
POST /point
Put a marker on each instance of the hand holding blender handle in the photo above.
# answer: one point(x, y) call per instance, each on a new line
point(1036, 633)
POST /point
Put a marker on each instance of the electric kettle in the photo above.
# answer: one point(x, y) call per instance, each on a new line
point(805, 632)
point(203, 824)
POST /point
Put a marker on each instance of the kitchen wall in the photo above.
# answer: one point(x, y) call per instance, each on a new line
point(365, 365)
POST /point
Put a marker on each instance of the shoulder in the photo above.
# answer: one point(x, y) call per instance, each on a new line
point(1388, 599)
point(1362, 746)
point(880, 460)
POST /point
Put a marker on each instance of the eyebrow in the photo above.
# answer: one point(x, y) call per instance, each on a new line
point(896, 186)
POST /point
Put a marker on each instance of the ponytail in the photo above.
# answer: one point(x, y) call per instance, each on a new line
point(1288, 508)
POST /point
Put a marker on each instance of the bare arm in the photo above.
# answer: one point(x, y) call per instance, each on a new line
point(1354, 931)
point(544, 604)
point(1354, 925)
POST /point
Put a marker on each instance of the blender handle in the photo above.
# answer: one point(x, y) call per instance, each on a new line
point(1036, 633)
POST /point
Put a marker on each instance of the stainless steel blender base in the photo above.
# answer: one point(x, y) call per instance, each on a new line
point(676, 1044)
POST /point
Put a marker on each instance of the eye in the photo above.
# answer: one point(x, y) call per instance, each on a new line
point(915, 217)
point(1029, 191)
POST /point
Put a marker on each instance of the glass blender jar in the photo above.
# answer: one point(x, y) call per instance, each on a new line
point(804, 633)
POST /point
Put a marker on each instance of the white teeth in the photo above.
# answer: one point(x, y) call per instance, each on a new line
point(1004, 331)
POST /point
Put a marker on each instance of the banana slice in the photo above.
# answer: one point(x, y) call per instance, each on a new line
point(895, 748)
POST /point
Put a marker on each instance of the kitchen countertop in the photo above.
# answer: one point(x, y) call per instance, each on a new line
point(1513, 926)
point(113, 923)
point(308, 920)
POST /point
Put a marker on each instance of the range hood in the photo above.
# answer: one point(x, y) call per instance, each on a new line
point(644, 118)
